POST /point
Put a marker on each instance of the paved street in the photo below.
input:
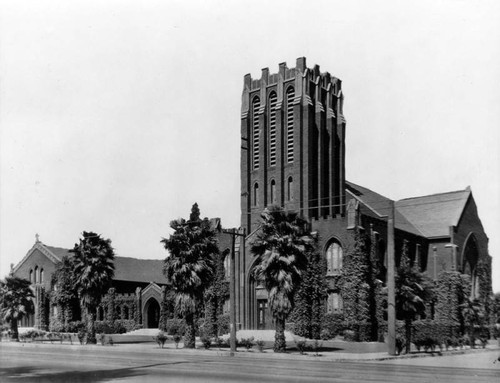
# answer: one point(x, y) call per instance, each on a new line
point(144, 363)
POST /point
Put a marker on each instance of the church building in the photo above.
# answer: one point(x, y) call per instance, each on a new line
point(293, 155)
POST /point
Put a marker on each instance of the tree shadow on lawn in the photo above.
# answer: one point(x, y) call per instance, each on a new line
point(33, 374)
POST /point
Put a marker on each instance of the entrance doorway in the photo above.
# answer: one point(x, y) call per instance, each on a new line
point(262, 315)
point(152, 313)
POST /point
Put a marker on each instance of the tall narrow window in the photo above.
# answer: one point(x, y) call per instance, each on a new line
point(290, 95)
point(31, 276)
point(255, 133)
point(335, 303)
point(256, 194)
point(273, 192)
point(334, 258)
point(272, 128)
point(289, 189)
point(36, 275)
point(41, 275)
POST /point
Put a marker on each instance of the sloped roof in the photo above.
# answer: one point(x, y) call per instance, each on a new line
point(433, 215)
point(139, 270)
point(126, 269)
point(380, 206)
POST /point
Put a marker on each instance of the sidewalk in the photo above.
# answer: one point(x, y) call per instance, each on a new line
point(491, 352)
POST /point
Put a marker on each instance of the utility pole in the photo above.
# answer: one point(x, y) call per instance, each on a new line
point(391, 283)
point(232, 288)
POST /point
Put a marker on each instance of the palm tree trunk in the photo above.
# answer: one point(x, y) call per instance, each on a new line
point(408, 335)
point(279, 338)
point(14, 330)
point(91, 339)
point(189, 335)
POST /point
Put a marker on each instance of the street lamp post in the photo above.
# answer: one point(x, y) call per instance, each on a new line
point(232, 288)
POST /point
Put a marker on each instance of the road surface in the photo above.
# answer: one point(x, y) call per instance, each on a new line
point(64, 363)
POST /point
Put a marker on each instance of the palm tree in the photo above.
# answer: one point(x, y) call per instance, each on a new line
point(16, 302)
point(93, 271)
point(190, 266)
point(282, 245)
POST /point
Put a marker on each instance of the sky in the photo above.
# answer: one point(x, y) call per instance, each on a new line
point(116, 116)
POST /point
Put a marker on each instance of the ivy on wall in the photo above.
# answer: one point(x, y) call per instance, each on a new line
point(356, 289)
point(308, 314)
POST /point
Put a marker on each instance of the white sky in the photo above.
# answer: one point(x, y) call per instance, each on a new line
point(116, 116)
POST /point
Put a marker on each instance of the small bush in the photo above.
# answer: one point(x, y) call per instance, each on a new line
point(219, 342)
point(207, 342)
point(177, 338)
point(75, 326)
point(110, 341)
point(260, 345)
point(301, 346)
point(223, 324)
point(161, 338)
point(103, 339)
point(81, 336)
point(248, 343)
point(316, 346)
point(332, 325)
point(176, 327)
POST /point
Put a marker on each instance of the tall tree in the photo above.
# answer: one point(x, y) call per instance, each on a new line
point(64, 294)
point(282, 245)
point(190, 266)
point(93, 271)
point(412, 290)
point(16, 302)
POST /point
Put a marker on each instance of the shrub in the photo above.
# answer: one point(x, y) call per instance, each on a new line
point(260, 345)
point(247, 343)
point(110, 341)
point(81, 335)
point(400, 343)
point(301, 346)
point(177, 338)
point(316, 346)
point(56, 325)
point(75, 326)
point(103, 339)
point(223, 324)
point(176, 327)
point(207, 342)
point(161, 338)
point(219, 342)
point(332, 325)
point(350, 335)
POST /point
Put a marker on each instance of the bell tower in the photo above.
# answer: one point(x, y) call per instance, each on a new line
point(293, 150)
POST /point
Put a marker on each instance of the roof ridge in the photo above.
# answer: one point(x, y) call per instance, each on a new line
point(436, 194)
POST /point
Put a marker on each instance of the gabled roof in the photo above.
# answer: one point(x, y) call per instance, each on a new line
point(126, 269)
point(380, 205)
point(434, 214)
point(139, 270)
point(427, 216)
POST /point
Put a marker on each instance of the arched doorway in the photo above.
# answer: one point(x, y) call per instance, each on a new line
point(260, 316)
point(152, 313)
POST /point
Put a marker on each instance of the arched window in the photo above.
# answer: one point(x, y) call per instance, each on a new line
point(37, 277)
point(255, 134)
point(290, 95)
point(335, 303)
point(289, 189)
point(271, 115)
point(126, 313)
point(227, 263)
point(41, 275)
point(256, 194)
point(334, 258)
point(31, 276)
point(273, 192)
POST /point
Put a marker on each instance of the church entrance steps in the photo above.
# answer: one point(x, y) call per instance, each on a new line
point(265, 335)
point(144, 331)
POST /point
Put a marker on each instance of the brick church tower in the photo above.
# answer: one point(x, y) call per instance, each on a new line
point(293, 151)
